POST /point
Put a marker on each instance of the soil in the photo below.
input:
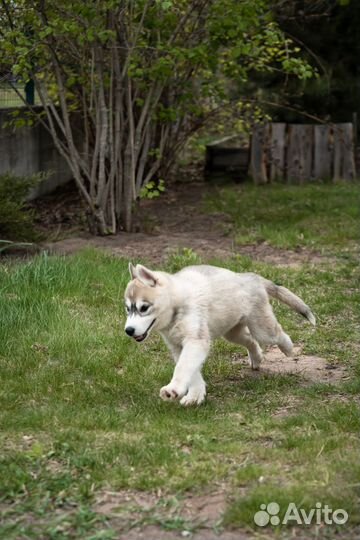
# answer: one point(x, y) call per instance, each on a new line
point(310, 369)
point(147, 511)
point(152, 516)
point(174, 221)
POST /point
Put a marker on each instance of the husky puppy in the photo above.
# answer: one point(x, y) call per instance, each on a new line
point(198, 304)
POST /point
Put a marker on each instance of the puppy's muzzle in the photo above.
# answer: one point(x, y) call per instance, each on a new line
point(130, 330)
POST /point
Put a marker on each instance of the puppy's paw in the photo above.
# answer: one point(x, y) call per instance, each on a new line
point(195, 396)
point(172, 391)
point(254, 361)
point(286, 345)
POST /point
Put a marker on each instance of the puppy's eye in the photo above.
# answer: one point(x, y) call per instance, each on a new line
point(127, 309)
point(144, 309)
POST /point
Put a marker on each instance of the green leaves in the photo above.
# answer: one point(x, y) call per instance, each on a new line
point(152, 190)
point(165, 4)
point(297, 67)
point(144, 74)
point(174, 38)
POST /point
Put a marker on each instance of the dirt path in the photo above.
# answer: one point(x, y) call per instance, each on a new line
point(174, 221)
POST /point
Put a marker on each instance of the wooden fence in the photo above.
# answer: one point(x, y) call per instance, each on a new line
point(297, 153)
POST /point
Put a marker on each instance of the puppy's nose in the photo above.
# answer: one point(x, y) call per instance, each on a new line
point(130, 330)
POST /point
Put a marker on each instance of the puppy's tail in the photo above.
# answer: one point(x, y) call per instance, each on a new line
point(287, 297)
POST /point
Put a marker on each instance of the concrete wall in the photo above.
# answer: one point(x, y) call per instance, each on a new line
point(28, 150)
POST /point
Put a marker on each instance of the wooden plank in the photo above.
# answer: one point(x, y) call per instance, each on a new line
point(307, 155)
point(322, 153)
point(292, 154)
point(349, 171)
point(337, 134)
point(277, 144)
point(258, 154)
point(344, 152)
point(299, 153)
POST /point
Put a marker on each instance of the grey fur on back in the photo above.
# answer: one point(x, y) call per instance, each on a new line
point(278, 292)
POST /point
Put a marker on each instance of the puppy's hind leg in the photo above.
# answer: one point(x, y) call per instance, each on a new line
point(285, 344)
point(266, 329)
point(240, 334)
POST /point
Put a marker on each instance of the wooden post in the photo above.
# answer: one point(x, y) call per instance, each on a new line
point(344, 152)
point(258, 157)
point(299, 153)
point(322, 152)
point(355, 128)
point(277, 142)
point(338, 152)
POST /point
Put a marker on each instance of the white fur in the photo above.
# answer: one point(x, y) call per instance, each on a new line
point(201, 303)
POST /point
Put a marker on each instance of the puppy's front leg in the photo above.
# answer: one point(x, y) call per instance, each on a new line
point(191, 359)
point(196, 393)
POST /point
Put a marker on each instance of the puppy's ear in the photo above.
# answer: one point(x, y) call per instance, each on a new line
point(145, 275)
point(132, 271)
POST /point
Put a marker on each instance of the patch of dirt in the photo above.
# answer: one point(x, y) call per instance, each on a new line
point(144, 516)
point(312, 369)
point(203, 510)
point(172, 222)
point(61, 212)
point(131, 503)
point(206, 509)
point(152, 517)
point(152, 532)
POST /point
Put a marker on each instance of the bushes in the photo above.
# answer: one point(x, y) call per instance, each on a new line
point(16, 221)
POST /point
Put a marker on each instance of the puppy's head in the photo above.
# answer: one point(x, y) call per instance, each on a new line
point(143, 302)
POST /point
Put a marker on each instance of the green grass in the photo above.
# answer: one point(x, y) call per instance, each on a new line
point(80, 412)
point(319, 216)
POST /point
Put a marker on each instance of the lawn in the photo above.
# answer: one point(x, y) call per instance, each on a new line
point(81, 416)
point(318, 216)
